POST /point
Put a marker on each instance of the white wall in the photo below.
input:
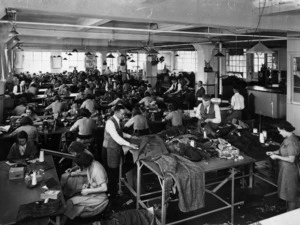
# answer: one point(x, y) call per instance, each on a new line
point(293, 109)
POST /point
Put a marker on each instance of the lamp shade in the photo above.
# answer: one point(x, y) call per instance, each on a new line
point(219, 54)
point(152, 51)
point(69, 53)
point(16, 39)
point(65, 58)
point(13, 32)
point(176, 55)
point(260, 48)
point(88, 53)
point(74, 50)
point(58, 56)
point(110, 56)
point(132, 60)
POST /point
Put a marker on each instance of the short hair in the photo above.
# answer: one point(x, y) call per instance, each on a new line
point(285, 125)
point(84, 112)
point(118, 108)
point(26, 121)
point(200, 81)
point(22, 135)
point(206, 97)
point(83, 160)
point(30, 108)
point(77, 147)
point(136, 111)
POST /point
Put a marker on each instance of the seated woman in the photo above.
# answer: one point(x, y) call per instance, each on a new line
point(20, 108)
point(146, 100)
point(74, 178)
point(93, 198)
point(85, 127)
point(29, 112)
point(26, 125)
point(23, 148)
point(89, 104)
point(175, 116)
point(139, 122)
point(57, 106)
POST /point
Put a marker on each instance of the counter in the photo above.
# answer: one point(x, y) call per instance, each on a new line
point(268, 101)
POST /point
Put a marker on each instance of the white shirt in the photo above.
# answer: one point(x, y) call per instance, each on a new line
point(237, 102)
point(217, 119)
point(111, 129)
point(89, 104)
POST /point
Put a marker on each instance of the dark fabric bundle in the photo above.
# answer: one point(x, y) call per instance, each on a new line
point(38, 209)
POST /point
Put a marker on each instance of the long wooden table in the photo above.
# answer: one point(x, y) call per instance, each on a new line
point(14, 193)
point(214, 164)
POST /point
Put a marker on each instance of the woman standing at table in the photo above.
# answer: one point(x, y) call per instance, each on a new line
point(93, 198)
point(288, 177)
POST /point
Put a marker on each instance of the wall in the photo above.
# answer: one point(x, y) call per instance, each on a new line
point(293, 109)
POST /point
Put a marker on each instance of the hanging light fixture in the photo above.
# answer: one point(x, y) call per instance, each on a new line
point(65, 58)
point(88, 53)
point(74, 50)
point(58, 56)
point(219, 54)
point(259, 48)
point(13, 32)
point(69, 53)
point(13, 14)
point(176, 55)
point(16, 39)
point(110, 56)
point(132, 60)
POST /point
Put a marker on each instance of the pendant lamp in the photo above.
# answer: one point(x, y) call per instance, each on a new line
point(260, 48)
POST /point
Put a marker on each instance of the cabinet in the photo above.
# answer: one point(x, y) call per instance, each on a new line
point(268, 103)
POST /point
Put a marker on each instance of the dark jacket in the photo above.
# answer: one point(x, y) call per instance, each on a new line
point(30, 151)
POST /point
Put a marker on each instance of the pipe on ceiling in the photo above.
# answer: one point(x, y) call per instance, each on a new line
point(137, 30)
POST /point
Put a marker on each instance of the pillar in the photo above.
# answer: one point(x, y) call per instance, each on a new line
point(151, 70)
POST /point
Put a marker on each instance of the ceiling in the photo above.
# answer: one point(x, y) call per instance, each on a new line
point(136, 25)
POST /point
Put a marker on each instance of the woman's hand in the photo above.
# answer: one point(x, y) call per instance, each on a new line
point(270, 153)
point(85, 186)
point(85, 191)
point(274, 156)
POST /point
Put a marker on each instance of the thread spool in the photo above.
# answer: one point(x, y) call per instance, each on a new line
point(255, 130)
point(265, 134)
point(34, 181)
point(42, 156)
point(192, 143)
point(261, 138)
point(204, 134)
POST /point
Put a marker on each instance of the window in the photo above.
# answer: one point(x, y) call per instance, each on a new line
point(139, 61)
point(259, 60)
point(112, 63)
point(272, 60)
point(37, 61)
point(236, 63)
point(186, 61)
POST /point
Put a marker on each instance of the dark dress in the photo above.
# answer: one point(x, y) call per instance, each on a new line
point(288, 177)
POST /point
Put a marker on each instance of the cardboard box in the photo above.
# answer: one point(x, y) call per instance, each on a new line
point(16, 173)
point(53, 194)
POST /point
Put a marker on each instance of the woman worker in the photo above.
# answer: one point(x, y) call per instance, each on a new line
point(288, 177)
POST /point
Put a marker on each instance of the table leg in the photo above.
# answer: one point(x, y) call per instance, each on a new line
point(251, 175)
point(232, 195)
point(138, 185)
point(120, 177)
point(163, 203)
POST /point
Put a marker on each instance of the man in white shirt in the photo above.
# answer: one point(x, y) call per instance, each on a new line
point(112, 147)
point(237, 105)
point(20, 89)
point(209, 115)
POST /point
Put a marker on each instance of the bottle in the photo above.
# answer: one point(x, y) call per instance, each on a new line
point(34, 181)
point(204, 134)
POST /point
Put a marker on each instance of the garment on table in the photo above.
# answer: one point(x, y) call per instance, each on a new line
point(288, 177)
point(189, 179)
point(30, 151)
point(92, 204)
point(151, 147)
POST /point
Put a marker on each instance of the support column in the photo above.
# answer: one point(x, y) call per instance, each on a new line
point(104, 53)
point(204, 53)
point(151, 71)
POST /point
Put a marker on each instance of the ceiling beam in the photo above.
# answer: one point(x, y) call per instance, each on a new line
point(90, 22)
point(104, 35)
